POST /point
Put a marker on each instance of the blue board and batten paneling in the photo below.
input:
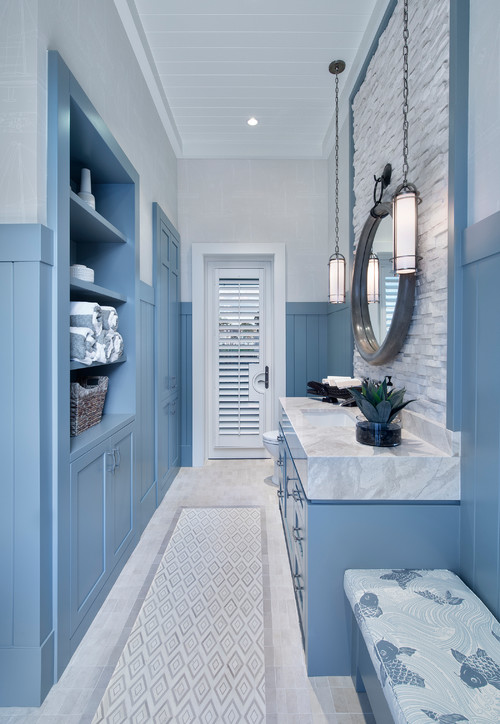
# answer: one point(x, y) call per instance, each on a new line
point(26, 622)
point(306, 345)
point(480, 423)
point(340, 340)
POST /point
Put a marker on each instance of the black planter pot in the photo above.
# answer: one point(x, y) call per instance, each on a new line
point(378, 434)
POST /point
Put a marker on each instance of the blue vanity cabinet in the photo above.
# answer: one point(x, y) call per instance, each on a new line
point(293, 507)
point(101, 492)
point(326, 537)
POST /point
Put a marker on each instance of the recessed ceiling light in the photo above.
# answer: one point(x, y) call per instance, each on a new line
point(252, 121)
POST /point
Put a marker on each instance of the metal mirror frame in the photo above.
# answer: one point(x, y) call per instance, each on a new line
point(364, 336)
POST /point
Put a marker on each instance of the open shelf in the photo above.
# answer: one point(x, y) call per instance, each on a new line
point(87, 225)
point(90, 292)
point(80, 366)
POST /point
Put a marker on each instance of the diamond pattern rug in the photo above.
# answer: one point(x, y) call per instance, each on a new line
point(196, 651)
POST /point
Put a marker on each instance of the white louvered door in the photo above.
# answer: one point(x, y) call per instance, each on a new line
point(239, 350)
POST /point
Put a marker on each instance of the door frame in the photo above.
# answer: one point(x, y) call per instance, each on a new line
point(201, 254)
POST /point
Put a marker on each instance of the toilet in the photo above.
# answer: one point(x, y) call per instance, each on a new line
point(270, 440)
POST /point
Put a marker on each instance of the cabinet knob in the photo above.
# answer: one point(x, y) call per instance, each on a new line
point(279, 493)
point(296, 535)
point(280, 438)
point(279, 462)
point(296, 496)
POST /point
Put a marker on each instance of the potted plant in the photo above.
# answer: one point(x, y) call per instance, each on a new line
point(380, 405)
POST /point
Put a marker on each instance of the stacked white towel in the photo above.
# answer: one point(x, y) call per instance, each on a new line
point(93, 333)
point(86, 314)
point(82, 344)
point(109, 318)
point(342, 382)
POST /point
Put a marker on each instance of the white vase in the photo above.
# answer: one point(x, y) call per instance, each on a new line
point(85, 188)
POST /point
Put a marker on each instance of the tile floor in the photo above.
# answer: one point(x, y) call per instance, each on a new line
point(291, 697)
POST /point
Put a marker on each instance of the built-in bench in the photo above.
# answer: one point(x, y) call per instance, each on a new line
point(424, 646)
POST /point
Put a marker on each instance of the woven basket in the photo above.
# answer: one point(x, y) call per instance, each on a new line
point(87, 401)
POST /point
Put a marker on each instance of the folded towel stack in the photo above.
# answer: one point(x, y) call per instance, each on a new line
point(93, 335)
point(109, 318)
point(86, 314)
point(342, 382)
point(82, 344)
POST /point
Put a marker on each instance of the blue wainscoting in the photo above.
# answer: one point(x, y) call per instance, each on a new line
point(26, 554)
point(306, 345)
point(480, 473)
point(340, 339)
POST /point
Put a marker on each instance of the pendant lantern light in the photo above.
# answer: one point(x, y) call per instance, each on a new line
point(373, 279)
point(406, 197)
point(336, 265)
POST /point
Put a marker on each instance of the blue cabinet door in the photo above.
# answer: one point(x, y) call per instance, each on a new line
point(88, 531)
point(119, 491)
point(101, 518)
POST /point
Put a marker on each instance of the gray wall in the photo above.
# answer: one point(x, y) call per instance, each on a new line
point(90, 37)
point(259, 201)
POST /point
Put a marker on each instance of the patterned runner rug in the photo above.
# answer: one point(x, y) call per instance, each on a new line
point(196, 651)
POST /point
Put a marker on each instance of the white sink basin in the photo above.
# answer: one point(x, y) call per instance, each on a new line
point(328, 418)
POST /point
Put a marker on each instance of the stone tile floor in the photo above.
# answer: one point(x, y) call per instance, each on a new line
point(292, 697)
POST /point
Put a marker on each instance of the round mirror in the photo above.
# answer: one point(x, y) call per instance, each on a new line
point(382, 304)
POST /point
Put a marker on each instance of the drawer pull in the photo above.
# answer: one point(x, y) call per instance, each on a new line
point(296, 535)
point(279, 463)
point(296, 496)
point(279, 493)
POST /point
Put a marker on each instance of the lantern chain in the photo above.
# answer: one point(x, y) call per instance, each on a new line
point(336, 163)
point(406, 35)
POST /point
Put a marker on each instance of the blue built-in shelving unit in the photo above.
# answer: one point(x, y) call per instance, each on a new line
point(70, 506)
point(95, 496)
point(74, 507)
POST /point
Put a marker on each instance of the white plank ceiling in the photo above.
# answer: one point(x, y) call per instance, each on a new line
point(211, 65)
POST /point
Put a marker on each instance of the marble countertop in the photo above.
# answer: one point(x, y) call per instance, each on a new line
point(333, 466)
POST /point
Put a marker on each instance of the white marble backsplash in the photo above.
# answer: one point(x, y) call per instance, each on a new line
point(448, 441)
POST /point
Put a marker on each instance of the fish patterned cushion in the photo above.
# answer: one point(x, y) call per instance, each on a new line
point(433, 643)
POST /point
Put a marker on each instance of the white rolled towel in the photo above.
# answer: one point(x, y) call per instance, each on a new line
point(86, 314)
point(117, 346)
point(82, 345)
point(109, 318)
point(104, 347)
